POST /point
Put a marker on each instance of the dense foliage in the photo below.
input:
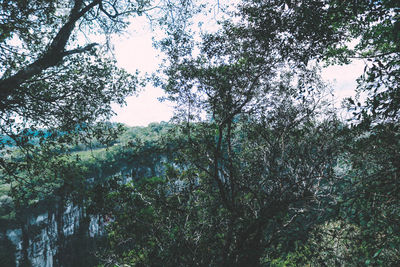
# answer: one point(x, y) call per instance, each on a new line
point(57, 86)
point(271, 178)
point(256, 169)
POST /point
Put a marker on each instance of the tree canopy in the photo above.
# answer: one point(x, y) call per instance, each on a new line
point(273, 177)
point(55, 81)
point(256, 169)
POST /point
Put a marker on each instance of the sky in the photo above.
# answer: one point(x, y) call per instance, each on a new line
point(135, 51)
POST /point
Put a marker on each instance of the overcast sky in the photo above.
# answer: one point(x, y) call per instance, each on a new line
point(135, 51)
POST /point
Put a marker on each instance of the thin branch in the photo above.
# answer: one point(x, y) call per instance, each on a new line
point(374, 56)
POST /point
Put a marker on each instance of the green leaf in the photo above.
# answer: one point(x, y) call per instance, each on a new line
point(377, 253)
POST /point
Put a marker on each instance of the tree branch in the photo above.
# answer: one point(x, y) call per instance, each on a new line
point(80, 49)
point(52, 56)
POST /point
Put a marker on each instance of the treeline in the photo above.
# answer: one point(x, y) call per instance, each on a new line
point(71, 170)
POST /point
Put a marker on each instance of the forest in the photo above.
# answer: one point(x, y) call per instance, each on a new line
point(256, 168)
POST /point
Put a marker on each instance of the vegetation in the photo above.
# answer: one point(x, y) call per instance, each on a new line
point(256, 169)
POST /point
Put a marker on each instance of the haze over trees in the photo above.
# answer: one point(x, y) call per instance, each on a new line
point(257, 169)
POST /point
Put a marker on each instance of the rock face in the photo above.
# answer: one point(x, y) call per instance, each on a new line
point(62, 234)
point(48, 239)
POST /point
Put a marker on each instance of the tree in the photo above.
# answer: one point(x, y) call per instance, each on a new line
point(51, 85)
point(370, 195)
point(374, 27)
point(40, 43)
point(56, 92)
point(251, 176)
point(269, 177)
point(54, 27)
point(48, 88)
